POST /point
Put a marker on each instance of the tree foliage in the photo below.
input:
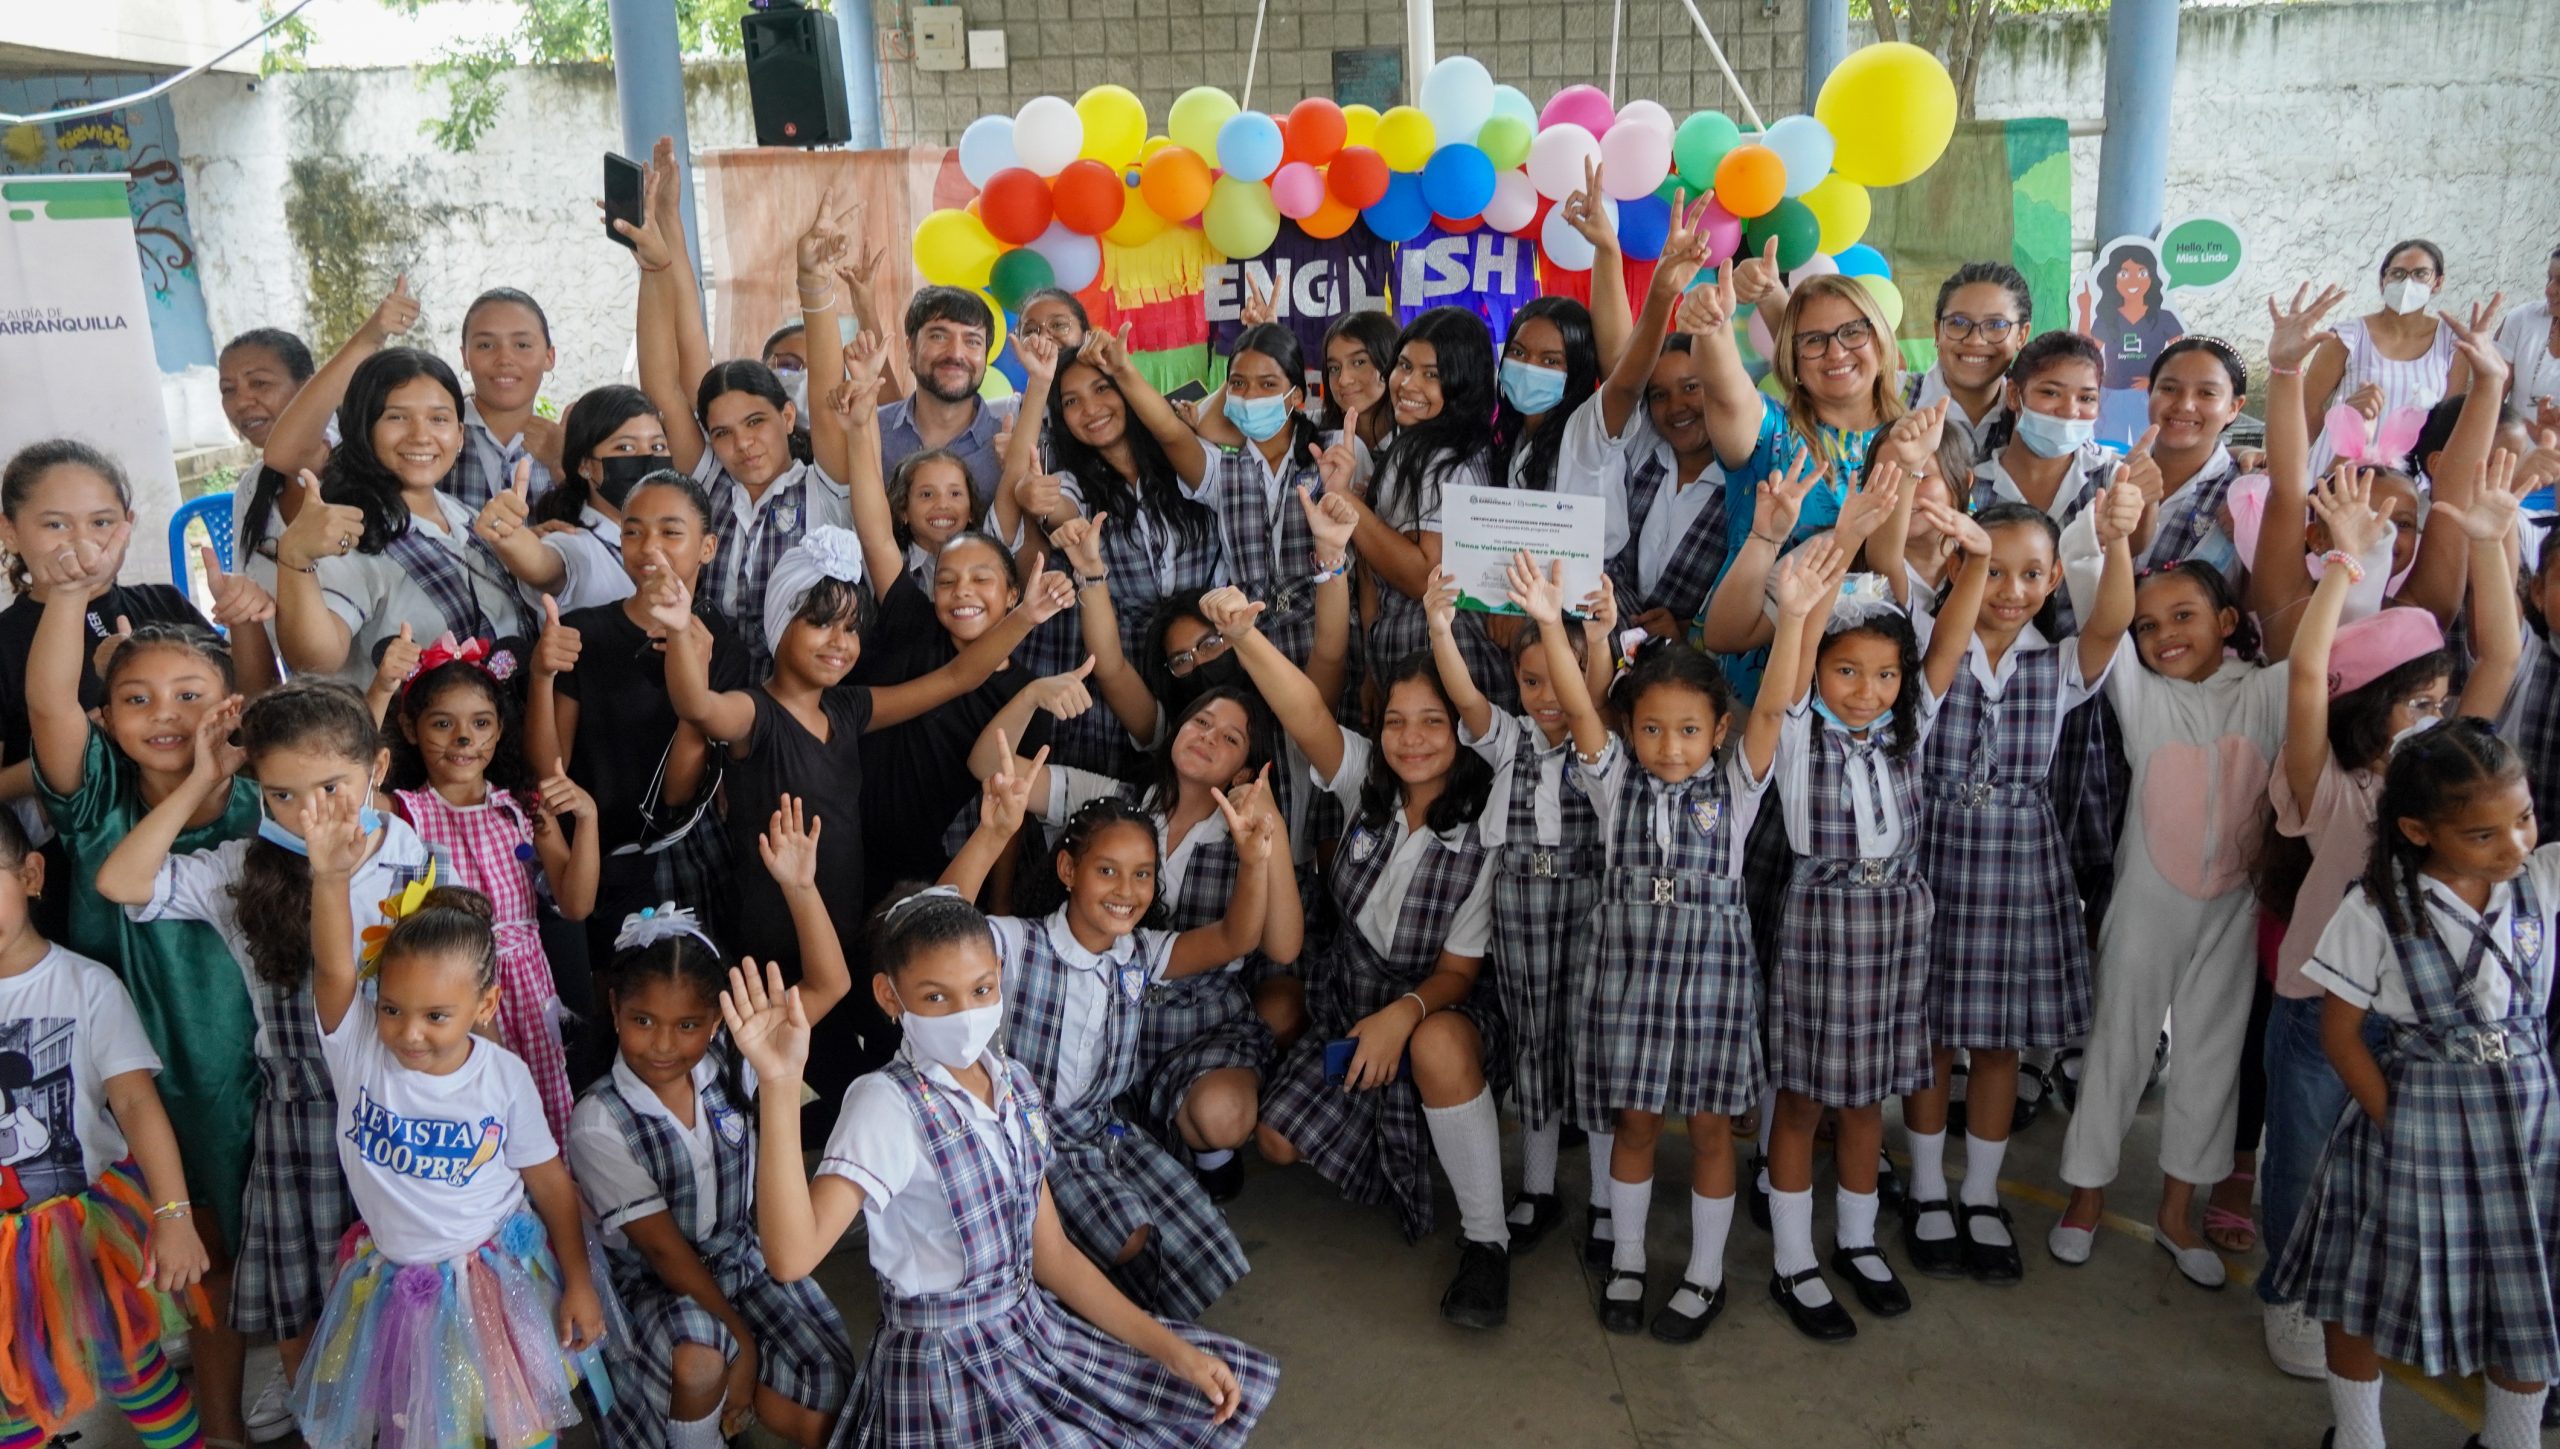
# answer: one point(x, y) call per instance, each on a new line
point(550, 32)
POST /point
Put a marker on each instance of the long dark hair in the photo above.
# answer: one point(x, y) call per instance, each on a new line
point(2142, 255)
point(1424, 456)
point(356, 476)
point(272, 897)
point(1270, 339)
point(1895, 629)
point(1470, 779)
point(2430, 776)
point(1157, 495)
point(31, 464)
point(2244, 640)
point(1376, 334)
point(597, 415)
point(1262, 743)
point(745, 374)
point(1581, 378)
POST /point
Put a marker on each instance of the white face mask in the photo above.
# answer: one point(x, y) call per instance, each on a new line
point(2407, 296)
point(955, 1040)
point(2418, 725)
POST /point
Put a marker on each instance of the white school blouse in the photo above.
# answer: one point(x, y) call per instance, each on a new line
point(617, 1188)
point(591, 557)
point(1881, 827)
point(2355, 962)
point(1612, 781)
point(1521, 758)
point(1471, 929)
point(877, 1146)
point(1138, 959)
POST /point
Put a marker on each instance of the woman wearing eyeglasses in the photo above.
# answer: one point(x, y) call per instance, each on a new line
point(1984, 313)
point(2402, 356)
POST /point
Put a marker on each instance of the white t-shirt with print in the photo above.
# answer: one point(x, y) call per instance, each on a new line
point(68, 1019)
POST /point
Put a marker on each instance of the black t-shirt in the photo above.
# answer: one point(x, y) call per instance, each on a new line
point(920, 778)
point(624, 716)
point(141, 603)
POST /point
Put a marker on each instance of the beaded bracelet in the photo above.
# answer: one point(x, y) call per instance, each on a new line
point(172, 1210)
point(1328, 575)
point(2342, 559)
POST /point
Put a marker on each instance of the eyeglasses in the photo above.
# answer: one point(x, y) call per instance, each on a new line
point(2409, 274)
point(1961, 327)
point(1850, 335)
point(1180, 665)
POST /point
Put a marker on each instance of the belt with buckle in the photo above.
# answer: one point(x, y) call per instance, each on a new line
point(2474, 1046)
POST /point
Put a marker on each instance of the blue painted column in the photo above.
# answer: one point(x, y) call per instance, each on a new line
point(1826, 43)
point(2133, 156)
point(857, 40)
point(648, 91)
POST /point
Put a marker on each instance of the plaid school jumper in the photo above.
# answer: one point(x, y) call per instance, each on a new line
point(1542, 900)
point(1197, 1024)
point(2531, 723)
point(998, 1363)
point(1847, 1004)
point(1374, 1144)
point(741, 572)
point(1269, 550)
point(1696, 561)
point(1667, 1020)
point(2008, 954)
point(2437, 1233)
point(1109, 1181)
point(298, 1206)
point(490, 849)
point(802, 1351)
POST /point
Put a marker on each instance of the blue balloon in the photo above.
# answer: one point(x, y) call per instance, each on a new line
point(1805, 144)
point(1005, 362)
point(1249, 146)
point(1862, 260)
point(987, 148)
point(1401, 214)
point(1457, 182)
point(1643, 225)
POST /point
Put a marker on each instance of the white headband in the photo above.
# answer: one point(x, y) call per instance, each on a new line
point(649, 925)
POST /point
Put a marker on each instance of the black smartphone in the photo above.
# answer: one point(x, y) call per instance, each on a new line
point(1338, 1055)
point(621, 194)
point(1190, 392)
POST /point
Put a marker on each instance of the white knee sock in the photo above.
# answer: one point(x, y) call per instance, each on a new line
point(2514, 1421)
point(1629, 1204)
point(1212, 1161)
point(1538, 1157)
point(1710, 1222)
point(2356, 1408)
point(702, 1433)
point(1791, 1228)
point(1468, 1138)
point(1982, 1186)
point(1602, 1144)
point(1929, 1183)
point(1854, 1226)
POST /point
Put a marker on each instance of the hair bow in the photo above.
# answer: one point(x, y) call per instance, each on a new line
point(2375, 445)
point(1863, 599)
point(496, 663)
point(649, 925)
point(397, 907)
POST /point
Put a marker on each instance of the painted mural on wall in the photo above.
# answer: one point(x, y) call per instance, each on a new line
point(142, 142)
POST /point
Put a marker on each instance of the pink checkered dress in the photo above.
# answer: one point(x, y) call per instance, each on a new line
point(490, 849)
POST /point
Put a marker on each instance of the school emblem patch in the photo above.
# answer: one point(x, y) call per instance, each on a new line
point(1036, 1122)
point(731, 1125)
point(1706, 814)
point(1363, 843)
point(2526, 933)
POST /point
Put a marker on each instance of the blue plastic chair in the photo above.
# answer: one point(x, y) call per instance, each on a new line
point(214, 511)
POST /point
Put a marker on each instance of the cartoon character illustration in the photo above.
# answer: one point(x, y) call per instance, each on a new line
point(2122, 309)
point(23, 1134)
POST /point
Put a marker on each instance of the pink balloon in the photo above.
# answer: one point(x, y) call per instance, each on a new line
point(1724, 232)
point(1297, 189)
point(1633, 161)
point(1761, 342)
point(1584, 106)
point(1514, 204)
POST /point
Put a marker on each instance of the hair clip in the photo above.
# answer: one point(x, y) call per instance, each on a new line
point(396, 908)
point(1863, 599)
point(904, 904)
point(649, 925)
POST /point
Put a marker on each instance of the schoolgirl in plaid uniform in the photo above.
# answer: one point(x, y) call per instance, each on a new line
point(1678, 581)
point(2531, 719)
point(646, 1172)
point(1268, 550)
point(2008, 955)
point(994, 1329)
point(2428, 1236)
point(1078, 982)
point(506, 349)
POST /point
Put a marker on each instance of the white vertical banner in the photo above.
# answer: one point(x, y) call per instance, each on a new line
point(75, 342)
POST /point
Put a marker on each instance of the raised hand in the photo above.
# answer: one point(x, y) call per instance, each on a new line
point(1538, 592)
point(332, 831)
point(1807, 576)
point(321, 530)
point(766, 1022)
point(2142, 470)
point(1600, 610)
point(1005, 799)
point(2295, 330)
point(1780, 497)
point(1080, 539)
point(1048, 594)
point(2344, 501)
point(2119, 512)
point(76, 570)
point(216, 757)
point(1585, 212)
point(504, 515)
point(1684, 248)
point(1440, 602)
point(395, 314)
point(1914, 436)
point(2368, 400)
point(1331, 520)
point(1708, 309)
point(822, 247)
point(1038, 352)
point(1755, 279)
point(399, 660)
point(1230, 612)
point(789, 845)
point(669, 604)
point(237, 598)
point(1040, 495)
point(556, 652)
point(2497, 501)
point(2478, 344)
point(1250, 828)
point(564, 798)
point(1869, 503)
point(1956, 530)
point(1065, 695)
point(866, 357)
point(1106, 352)
point(1339, 465)
point(1258, 304)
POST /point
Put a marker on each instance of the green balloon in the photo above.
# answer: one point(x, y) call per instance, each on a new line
point(1699, 144)
point(1794, 225)
point(1018, 274)
point(1504, 141)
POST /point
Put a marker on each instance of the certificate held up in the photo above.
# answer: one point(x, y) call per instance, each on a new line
point(1481, 528)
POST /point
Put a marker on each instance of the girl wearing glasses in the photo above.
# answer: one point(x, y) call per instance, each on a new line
point(1983, 316)
point(2402, 356)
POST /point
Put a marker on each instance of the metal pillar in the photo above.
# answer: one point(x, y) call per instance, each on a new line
point(1420, 50)
point(858, 42)
point(1826, 43)
point(2133, 155)
point(648, 91)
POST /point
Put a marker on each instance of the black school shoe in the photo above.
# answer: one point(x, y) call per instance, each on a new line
point(1673, 1326)
point(1480, 1296)
point(1622, 1315)
point(1597, 1251)
point(1830, 1323)
point(1546, 1212)
point(1937, 1257)
point(1757, 1169)
point(1224, 1182)
point(1997, 1264)
point(1891, 1191)
point(2034, 1089)
point(1888, 1299)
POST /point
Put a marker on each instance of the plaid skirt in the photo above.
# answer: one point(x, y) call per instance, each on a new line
point(803, 1353)
point(1768, 863)
point(1010, 1366)
point(2091, 782)
point(1668, 1017)
point(1108, 1189)
point(297, 1206)
point(1191, 1027)
point(2008, 955)
point(1541, 921)
point(2437, 1235)
point(1848, 1016)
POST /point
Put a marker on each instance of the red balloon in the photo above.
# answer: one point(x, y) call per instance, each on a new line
point(1455, 226)
point(1537, 219)
point(1358, 176)
point(1015, 205)
point(1087, 197)
point(1315, 132)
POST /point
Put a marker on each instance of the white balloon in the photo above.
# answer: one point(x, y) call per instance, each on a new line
point(1515, 201)
point(1820, 264)
point(1557, 158)
point(1633, 161)
point(1646, 113)
point(1568, 248)
point(1047, 134)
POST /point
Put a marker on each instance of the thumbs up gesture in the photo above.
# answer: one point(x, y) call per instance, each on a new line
point(557, 651)
point(1066, 695)
point(237, 599)
point(321, 530)
point(393, 315)
point(504, 515)
point(399, 661)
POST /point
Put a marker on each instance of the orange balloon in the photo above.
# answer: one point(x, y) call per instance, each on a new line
point(1329, 220)
point(1175, 182)
point(1751, 180)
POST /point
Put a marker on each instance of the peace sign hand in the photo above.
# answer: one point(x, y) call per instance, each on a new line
point(1684, 248)
point(823, 245)
point(1006, 797)
point(1259, 305)
point(1588, 214)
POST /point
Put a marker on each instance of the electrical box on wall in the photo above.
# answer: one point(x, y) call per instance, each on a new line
point(986, 50)
point(938, 38)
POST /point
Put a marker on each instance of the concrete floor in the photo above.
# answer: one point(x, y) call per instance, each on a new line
point(2122, 1352)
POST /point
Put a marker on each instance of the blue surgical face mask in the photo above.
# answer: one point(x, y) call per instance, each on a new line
point(1258, 418)
point(1530, 388)
point(1823, 709)
point(2047, 436)
point(368, 820)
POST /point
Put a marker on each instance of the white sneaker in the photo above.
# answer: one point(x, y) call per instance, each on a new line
point(2294, 1341)
point(2070, 1245)
point(268, 1417)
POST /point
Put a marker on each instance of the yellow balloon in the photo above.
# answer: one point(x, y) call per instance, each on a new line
point(1138, 223)
point(1359, 126)
point(1891, 109)
point(1404, 137)
point(1196, 116)
point(1843, 209)
point(1241, 220)
point(1154, 144)
point(1888, 295)
point(955, 249)
point(995, 309)
point(1115, 125)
